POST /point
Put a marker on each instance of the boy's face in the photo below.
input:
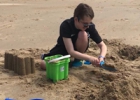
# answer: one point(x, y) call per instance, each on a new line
point(84, 23)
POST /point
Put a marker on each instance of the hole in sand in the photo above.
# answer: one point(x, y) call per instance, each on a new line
point(129, 52)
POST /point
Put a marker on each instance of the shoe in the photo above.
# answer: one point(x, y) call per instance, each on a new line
point(87, 62)
point(77, 63)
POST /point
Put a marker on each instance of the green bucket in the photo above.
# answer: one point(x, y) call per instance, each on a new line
point(57, 70)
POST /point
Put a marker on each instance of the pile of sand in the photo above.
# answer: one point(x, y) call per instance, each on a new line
point(84, 83)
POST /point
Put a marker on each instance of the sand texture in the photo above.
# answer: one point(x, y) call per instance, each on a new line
point(29, 28)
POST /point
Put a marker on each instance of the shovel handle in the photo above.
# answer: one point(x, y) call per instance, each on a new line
point(101, 63)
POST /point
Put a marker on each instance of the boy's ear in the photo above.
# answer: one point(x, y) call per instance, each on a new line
point(76, 19)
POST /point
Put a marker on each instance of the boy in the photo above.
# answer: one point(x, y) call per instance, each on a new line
point(74, 37)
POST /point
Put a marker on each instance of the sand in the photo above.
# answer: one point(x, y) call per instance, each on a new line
point(31, 27)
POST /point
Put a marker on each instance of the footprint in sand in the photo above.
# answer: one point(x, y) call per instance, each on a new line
point(5, 26)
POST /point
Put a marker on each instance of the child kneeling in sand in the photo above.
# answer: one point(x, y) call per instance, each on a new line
point(74, 37)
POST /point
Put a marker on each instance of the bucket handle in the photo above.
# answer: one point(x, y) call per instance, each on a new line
point(60, 58)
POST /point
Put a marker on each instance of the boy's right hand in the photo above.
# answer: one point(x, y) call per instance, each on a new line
point(94, 61)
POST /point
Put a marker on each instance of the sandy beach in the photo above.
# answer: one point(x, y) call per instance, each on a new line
point(31, 27)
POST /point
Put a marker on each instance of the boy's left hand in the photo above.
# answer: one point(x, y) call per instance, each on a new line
point(101, 59)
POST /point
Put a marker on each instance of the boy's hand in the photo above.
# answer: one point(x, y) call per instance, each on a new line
point(94, 61)
point(101, 58)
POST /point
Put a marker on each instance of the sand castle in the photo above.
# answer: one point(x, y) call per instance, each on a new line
point(19, 63)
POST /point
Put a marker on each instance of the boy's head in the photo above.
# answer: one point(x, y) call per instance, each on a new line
point(83, 15)
point(83, 10)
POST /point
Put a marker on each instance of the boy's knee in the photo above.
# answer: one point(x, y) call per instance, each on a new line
point(82, 35)
point(82, 41)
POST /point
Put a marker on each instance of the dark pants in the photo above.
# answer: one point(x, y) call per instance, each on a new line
point(57, 49)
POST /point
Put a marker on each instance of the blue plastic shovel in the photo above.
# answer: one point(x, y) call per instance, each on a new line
point(102, 64)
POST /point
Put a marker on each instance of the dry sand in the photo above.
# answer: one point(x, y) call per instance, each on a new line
point(32, 26)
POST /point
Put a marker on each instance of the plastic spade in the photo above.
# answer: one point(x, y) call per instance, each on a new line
point(102, 64)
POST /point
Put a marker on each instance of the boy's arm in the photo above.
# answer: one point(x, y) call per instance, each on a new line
point(72, 52)
point(94, 35)
point(103, 50)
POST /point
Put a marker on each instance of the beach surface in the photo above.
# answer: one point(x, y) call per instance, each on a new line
point(31, 27)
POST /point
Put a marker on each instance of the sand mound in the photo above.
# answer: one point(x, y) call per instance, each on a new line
point(84, 83)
